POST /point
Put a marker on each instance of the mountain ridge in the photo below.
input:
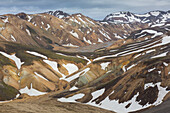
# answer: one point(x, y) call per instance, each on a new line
point(154, 17)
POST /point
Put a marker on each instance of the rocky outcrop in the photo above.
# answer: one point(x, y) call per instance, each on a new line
point(58, 13)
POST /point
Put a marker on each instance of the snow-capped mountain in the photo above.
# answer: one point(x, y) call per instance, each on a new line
point(128, 17)
point(58, 13)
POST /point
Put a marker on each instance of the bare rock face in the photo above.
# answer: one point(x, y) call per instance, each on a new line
point(58, 13)
point(149, 96)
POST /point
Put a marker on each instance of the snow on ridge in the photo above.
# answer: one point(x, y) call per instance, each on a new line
point(28, 32)
point(14, 58)
point(151, 69)
point(74, 34)
point(37, 54)
point(70, 45)
point(151, 32)
point(88, 41)
point(74, 20)
point(48, 26)
point(149, 51)
point(166, 64)
point(71, 99)
point(104, 34)
point(42, 22)
point(142, 15)
point(131, 66)
point(82, 20)
point(5, 20)
point(158, 25)
point(13, 38)
point(77, 75)
point(155, 13)
point(117, 36)
point(99, 40)
point(61, 26)
point(90, 21)
point(160, 55)
point(29, 18)
point(40, 76)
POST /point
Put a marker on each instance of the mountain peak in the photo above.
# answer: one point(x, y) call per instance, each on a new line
point(58, 13)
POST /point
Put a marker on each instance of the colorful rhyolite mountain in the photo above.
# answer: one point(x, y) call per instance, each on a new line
point(120, 64)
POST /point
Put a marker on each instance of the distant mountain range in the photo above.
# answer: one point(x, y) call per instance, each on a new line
point(152, 17)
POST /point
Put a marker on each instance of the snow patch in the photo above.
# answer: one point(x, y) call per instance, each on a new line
point(77, 75)
point(104, 65)
point(29, 18)
point(165, 63)
point(71, 68)
point(104, 34)
point(151, 69)
point(28, 32)
point(42, 22)
point(54, 66)
point(160, 55)
point(131, 66)
point(74, 34)
point(71, 99)
point(5, 20)
point(14, 58)
point(88, 41)
point(13, 38)
point(48, 26)
point(40, 76)
point(70, 45)
point(37, 54)
point(117, 36)
point(99, 40)
point(31, 91)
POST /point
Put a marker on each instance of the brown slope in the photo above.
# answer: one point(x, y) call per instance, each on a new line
point(49, 31)
point(45, 104)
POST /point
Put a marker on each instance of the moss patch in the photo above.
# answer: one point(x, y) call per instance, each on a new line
point(7, 92)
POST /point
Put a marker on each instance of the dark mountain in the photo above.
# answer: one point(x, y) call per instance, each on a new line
point(58, 13)
point(152, 17)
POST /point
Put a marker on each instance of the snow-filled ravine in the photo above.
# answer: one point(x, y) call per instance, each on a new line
point(114, 105)
point(14, 58)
